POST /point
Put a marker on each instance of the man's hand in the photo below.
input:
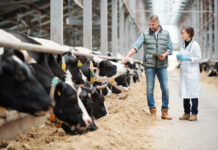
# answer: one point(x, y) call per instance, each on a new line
point(130, 53)
point(125, 59)
point(163, 56)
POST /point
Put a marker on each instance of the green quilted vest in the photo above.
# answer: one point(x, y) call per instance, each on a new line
point(152, 45)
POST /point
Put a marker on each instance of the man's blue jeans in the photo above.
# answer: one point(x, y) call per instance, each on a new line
point(162, 76)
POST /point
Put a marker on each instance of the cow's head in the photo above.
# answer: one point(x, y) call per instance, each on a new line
point(102, 70)
point(68, 107)
point(100, 108)
point(73, 64)
point(19, 89)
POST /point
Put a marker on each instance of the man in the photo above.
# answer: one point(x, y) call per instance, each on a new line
point(155, 40)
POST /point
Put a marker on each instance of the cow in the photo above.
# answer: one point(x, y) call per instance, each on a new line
point(68, 61)
point(213, 71)
point(73, 65)
point(117, 85)
point(204, 66)
point(101, 70)
point(52, 67)
point(133, 71)
point(19, 89)
point(68, 107)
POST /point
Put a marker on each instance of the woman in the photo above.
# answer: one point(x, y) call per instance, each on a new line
point(190, 84)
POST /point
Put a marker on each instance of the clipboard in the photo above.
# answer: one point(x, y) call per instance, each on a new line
point(157, 54)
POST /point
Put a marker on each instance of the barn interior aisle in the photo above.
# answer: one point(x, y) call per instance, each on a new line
point(129, 125)
point(182, 134)
point(126, 127)
point(73, 74)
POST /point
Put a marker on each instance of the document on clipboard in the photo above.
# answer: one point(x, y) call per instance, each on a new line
point(157, 54)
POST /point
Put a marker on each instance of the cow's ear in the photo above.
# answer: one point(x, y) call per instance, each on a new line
point(68, 53)
point(82, 59)
point(60, 87)
point(70, 60)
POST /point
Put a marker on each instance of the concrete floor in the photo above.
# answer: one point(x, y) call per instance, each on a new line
point(186, 135)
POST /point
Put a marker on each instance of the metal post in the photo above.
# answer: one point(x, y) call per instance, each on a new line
point(205, 31)
point(126, 33)
point(198, 21)
point(56, 26)
point(104, 32)
point(216, 28)
point(121, 27)
point(201, 27)
point(114, 27)
point(87, 24)
point(210, 50)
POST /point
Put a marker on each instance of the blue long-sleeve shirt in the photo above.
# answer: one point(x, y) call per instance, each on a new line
point(138, 44)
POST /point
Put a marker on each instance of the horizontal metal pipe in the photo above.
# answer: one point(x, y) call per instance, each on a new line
point(54, 50)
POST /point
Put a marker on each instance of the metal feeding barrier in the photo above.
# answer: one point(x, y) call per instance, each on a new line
point(54, 50)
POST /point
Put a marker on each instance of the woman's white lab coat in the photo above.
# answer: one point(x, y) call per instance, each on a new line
point(190, 82)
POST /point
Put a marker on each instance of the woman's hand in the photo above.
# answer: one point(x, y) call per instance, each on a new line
point(185, 58)
point(178, 56)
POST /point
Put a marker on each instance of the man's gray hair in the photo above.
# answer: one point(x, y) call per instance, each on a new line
point(153, 18)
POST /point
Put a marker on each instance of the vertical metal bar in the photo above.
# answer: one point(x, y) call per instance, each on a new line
point(198, 20)
point(210, 50)
point(56, 25)
point(126, 35)
point(121, 27)
point(114, 27)
point(216, 28)
point(201, 27)
point(87, 23)
point(104, 31)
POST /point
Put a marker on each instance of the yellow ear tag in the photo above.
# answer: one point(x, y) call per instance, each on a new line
point(59, 93)
point(79, 64)
point(112, 81)
point(63, 67)
point(59, 123)
point(92, 79)
point(52, 118)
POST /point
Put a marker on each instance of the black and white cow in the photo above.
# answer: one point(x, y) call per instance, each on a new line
point(19, 89)
point(204, 66)
point(70, 63)
point(68, 107)
point(132, 66)
point(73, 65)
point(117, 85)
point(68, 94)
point(102, 70)
point(213, 71)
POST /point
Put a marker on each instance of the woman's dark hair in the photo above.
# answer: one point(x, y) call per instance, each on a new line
point(189, 30)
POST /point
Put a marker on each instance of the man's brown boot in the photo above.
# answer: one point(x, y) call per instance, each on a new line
point(165, 114)
point(153, 113)
point(184, 117)
point(193, 118)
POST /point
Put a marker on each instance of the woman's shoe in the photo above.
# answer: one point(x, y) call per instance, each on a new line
point(193, 118)
point(184, 117)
